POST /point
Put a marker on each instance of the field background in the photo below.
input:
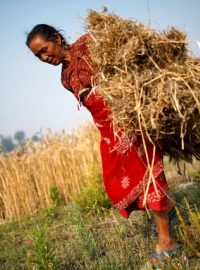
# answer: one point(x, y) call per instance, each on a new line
point(54, 213)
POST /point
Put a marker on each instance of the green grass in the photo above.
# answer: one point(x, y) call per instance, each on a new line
point(87, 234)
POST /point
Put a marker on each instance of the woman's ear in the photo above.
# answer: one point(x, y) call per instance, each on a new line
point(58, 38)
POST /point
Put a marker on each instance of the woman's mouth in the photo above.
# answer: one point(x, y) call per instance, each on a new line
point(53, 61)
point(50, 60)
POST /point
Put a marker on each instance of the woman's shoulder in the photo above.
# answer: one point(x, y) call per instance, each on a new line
point(79, 47)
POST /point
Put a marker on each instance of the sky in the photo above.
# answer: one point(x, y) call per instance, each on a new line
point(32, 98)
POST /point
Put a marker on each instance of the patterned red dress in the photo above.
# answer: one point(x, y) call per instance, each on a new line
point(124, 163)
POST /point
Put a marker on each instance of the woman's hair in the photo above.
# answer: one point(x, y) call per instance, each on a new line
point(46, 31)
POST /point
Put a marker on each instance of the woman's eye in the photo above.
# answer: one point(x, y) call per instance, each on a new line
point(43, 50)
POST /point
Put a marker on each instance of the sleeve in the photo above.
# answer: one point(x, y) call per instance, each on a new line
point(83, 75)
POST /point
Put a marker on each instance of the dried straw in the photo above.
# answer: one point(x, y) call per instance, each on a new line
point(149, 80)
point(66, 161)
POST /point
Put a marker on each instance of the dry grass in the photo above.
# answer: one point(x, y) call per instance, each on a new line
point(190, 234)
point(149, 80)
point(63, 160)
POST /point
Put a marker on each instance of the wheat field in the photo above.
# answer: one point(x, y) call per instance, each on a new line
point(62, 160)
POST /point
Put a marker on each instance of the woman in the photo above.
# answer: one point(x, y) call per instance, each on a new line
point(123, 162)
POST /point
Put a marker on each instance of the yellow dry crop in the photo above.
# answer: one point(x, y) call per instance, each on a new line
point(61, 160)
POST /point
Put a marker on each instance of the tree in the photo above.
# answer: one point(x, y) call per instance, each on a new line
point(7, 144)
point(35, 138)
point(20, 137)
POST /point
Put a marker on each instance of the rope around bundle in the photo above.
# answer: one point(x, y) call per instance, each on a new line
point(150, 82)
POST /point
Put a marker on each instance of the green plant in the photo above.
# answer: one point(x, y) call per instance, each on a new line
point(92, 199)
point(89, 245)
point(55, 196)
point(42, 254)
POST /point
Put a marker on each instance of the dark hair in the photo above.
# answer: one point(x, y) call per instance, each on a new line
point(46, 31)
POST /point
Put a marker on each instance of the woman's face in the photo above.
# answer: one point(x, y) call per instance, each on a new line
point(50, 52)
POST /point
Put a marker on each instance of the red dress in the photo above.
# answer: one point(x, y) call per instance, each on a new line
point(124, 164)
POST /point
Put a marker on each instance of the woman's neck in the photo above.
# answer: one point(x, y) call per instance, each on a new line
point(66, 55)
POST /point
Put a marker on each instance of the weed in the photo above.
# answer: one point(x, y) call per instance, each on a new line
point(92, 199)
point(190, 234)
point(41, 253)
point(89, 245)
point(55, 196)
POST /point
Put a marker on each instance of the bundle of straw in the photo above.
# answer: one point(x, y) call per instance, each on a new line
point(149, 80)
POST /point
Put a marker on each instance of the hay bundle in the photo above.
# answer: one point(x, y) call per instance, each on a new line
point(149, 81)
